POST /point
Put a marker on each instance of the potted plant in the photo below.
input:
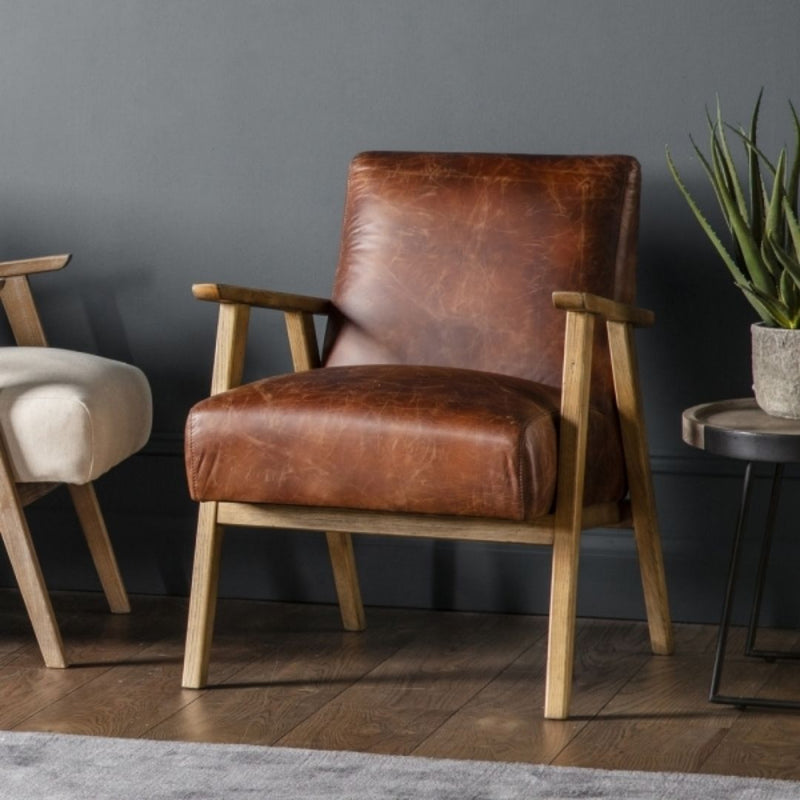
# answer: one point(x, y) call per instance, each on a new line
point(764, 255)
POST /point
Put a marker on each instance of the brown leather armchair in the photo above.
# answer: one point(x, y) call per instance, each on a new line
point(464, 390)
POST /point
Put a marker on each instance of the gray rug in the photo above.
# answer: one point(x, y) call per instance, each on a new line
point(45, 766)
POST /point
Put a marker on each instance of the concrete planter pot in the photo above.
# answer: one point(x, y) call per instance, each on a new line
point(776, 370)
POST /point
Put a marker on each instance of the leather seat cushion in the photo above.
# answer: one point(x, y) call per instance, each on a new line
point(415, 439)
point(68, 416)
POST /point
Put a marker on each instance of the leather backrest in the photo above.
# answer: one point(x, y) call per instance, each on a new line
point(451, 259)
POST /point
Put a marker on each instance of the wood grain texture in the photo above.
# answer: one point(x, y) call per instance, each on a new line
point(290, 677)
point(99, 642)
point(388, 524)
point(94, 529)
point(302, 340)
point(504, 722)
point(262, 298)
point(27, 571)
point(659, 720)
point(345, 578)
point(21, 312)
point(439, 684)
point(610, 310)
point(230, 348)
point(203, 603)
point(733, 415)
point(643, 504)
point(763, 743)
point(573, 429)
point(29, 266)
point(401, 702)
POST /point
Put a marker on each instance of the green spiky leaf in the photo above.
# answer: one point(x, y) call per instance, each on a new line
point(793, 186)
point(754, 174)
point(793, 225)
point(738, 275)
point(764, 254)
point(770, 309)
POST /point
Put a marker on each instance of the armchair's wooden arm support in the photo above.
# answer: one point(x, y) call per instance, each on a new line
point(611, 310)
point(620, 318)
point(28, 266)
point(17, 300)
point(261, 298)
point(234, 316)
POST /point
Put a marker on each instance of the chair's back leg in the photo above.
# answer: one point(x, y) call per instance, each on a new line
point(94, 529)
point(345, 576)
point(568, 517)
point(203, 602)
point(643, 506)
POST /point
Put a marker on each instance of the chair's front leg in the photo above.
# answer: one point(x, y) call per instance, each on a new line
point(573, 428)
point(203, 600)
point(25, 565)
point(94, 529)
point(637, 460)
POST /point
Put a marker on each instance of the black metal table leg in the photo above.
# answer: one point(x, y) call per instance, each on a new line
point(763, 561)
point(742, 701)
point(724, 624)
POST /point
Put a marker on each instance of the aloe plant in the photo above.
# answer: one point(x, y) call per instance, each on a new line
point(762, 221)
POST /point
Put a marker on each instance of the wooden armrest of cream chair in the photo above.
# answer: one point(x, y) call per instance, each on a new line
point(65, 418)
point(478, 381)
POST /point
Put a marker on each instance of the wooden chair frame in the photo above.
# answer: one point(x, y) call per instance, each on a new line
point(561, 530)
point(26, 327)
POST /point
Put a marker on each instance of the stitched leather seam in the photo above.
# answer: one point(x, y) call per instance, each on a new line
point(521, 461)
point(452, 173)
point(521, 473)
point(190, 436)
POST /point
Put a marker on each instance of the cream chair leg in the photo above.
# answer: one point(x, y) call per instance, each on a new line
point(94, 529)
point(203, 601)
point(345, 576)
point(643, 506)
point(25, 564)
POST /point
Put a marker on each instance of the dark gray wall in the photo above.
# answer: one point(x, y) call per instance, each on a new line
point(165, 143)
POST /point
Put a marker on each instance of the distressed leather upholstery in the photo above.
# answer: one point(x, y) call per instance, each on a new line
point(436, 440)
point(441, 386)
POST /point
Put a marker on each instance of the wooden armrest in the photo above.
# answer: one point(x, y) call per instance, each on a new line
point(262, 298)
point(11, 269)
point(610, 309)
point(234, 314)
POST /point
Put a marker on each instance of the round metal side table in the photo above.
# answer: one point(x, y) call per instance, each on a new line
point(740, 429)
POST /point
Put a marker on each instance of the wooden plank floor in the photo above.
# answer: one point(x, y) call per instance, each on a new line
point(416, 682)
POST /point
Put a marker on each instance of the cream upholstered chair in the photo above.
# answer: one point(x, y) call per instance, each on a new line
point(478, 381)
point(65, 418)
